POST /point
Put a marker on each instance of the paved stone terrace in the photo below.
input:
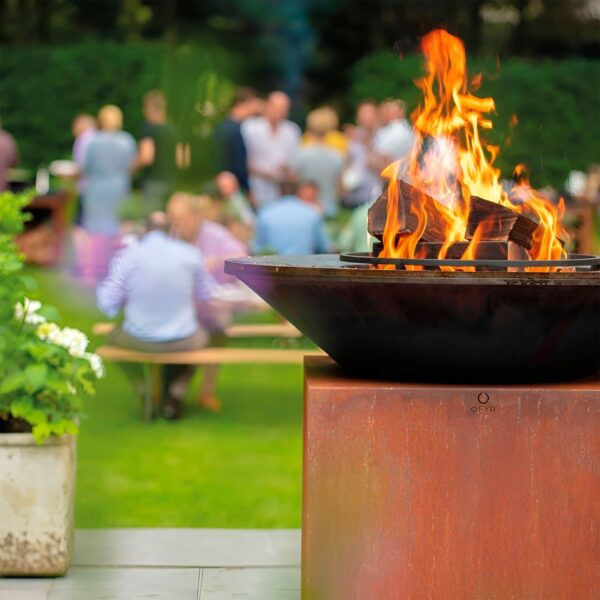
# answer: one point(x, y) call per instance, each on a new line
point(173, 564)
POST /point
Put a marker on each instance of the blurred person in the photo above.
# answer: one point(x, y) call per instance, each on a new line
point(216, 243)
point(107, 167)
point(157, 154)
point(395, 138)
point(332, 136)
point(355, 237)
point(319, 162)
point(83, 128)
point(237, 204)
point(289, 226)
point(271, 141)
point(233, 208)
point(361, 181)
point(231, 147)
point(308, 192)
point(158, 282)
point(9, 156)
point(576, 183)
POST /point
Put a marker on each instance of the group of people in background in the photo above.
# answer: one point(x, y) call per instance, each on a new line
point(276, 189)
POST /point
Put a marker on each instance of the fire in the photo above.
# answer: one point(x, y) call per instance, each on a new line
point(451, 163)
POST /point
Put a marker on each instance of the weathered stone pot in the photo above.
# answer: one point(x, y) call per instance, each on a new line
point(37, 493)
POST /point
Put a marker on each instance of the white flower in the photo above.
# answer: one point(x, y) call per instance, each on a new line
point(28, 312)
point(74, 341)
point(96, 364)
point(48, 332)
point(71, 339)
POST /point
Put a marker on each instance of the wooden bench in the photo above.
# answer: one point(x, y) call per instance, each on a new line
point(153, 362)
point(275, 330)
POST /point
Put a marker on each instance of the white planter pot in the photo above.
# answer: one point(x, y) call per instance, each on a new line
point(37, 494)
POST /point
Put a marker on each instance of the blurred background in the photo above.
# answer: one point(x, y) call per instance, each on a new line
point(241, 467)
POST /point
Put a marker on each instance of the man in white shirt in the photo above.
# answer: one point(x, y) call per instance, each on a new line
point(271, 143)
point(396, 137)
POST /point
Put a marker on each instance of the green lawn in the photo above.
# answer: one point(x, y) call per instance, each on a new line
point(238, 468)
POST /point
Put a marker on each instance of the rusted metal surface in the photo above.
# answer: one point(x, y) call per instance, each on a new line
point(431, 491)
point(436, 325)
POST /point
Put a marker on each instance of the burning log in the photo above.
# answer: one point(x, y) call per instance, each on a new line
point(409, 198)
point(483, 250)
point(501, 223)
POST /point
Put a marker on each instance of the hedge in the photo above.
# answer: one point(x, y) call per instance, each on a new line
point(43, 88)
point(556, 103)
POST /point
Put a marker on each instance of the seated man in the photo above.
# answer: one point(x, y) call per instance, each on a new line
point(158, 283)
point(289, 226)
point(236, 204)
point(233, 208)
point(215, 242)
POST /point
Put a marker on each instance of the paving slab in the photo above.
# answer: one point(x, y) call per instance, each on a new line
point(172, 564)
point(24, 589)
point(187, 547)
point(88, 583)
point(270, 583)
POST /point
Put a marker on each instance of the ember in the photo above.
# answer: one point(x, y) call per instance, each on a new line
point(448, 190)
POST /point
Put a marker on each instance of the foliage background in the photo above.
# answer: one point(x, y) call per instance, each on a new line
point(37, 108)
point(62, 57)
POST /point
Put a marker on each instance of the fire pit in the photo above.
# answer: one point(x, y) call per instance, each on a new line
point(437, 325)
point(469, 280)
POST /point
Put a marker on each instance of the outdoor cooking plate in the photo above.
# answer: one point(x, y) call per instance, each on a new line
point(436, 326)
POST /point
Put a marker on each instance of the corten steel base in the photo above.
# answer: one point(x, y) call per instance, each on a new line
point(432, 491)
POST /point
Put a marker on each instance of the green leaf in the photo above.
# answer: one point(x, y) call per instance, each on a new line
point(36, 376)
point(50, 313)
point(12, 382)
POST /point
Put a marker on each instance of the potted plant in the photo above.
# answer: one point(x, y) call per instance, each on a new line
point(44, 373)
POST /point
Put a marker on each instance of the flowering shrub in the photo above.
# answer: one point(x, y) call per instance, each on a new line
point(45, 370)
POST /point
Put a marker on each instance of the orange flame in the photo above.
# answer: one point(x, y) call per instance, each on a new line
point(450, 161)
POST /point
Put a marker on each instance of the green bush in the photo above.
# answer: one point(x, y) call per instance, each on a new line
point(44, 369)
point(43, 87)
point(556, 103)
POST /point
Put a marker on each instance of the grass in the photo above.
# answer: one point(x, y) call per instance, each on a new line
point(238, 468)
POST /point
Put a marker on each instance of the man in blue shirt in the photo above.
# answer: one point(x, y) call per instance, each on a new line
point(159, 282)
point(289, 226)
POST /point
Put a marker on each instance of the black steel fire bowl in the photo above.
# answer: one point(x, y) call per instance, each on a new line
point(436, 326)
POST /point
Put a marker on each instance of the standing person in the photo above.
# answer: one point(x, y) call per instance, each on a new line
point(332, 137)
point(395, 139)
point(360, 179)
point(83, 129)
point(107, 167)
point(289, 226)
point(231, 147)
point(9, 155)
point(158, 282)
point(157, 155)
point(319, 162)
point(271, 141)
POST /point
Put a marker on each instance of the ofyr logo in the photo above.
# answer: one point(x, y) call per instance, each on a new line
point(483, 406)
